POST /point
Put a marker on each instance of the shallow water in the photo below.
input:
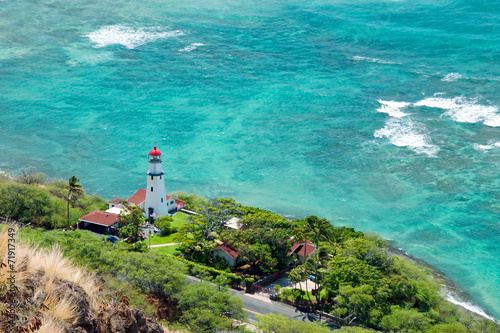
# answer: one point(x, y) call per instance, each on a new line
point(380, 115)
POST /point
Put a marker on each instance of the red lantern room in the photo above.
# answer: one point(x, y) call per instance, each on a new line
point(154, 155)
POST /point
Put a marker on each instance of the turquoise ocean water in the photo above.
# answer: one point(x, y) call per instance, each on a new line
point(380, 115)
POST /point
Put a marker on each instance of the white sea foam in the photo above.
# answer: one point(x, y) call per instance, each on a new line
point(452, 77)
point(469, 306)
point(403, 132)
point(492, 145)
point(191, 47)
point(464, 110)
point(393, 108)
point(129, 37)
point(366, 59)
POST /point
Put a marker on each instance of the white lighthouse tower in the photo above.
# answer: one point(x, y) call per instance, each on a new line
point(156, 201)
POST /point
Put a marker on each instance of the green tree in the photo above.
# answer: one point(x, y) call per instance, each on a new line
point(257, 255)
point(317, 230)
point(193, 202)
point(275, 323)
point(353, 329)
point(448, 328)
point(371, 249)
point(131, 215)
point(129, 231)
point(74, 191)
point(402, 320)
point(357, 301)
point(204, 308)
point(25, 203)
point(164, 224)
point(29, 176)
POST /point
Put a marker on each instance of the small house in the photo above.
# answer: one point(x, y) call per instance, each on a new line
point(100, 222)
point(301, 249)
point(226, 252)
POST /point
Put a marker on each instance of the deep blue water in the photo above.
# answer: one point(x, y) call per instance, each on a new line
point(380, 115)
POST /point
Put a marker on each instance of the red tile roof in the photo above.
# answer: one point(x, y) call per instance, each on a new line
point(228, 249)
point(100, 217)
point(116, 201)
point(298, 248)
point(138, 196)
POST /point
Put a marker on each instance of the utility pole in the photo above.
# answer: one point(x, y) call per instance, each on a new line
point(149, 227)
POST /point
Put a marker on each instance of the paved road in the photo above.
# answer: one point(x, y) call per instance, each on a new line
point(258, 304)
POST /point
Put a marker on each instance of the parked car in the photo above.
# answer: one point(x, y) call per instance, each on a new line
point(112, 239)
point(273, 297)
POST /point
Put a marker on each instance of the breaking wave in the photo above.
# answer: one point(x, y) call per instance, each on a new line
point(452, 77)
point(487, 147)
point(468, 306)
point(375, 60)
point(393, 108)
point(463, 110)
point(191, 47)
point(129, 37)
point(403, 132)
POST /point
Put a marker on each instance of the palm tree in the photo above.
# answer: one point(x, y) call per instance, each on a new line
point(317, 231)
point(74, 189)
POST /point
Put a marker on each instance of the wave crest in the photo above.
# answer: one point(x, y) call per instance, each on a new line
point(393, 108)
point(452, 77)
point(191, 47)
point(403, 132)
point(129, 37)
point(375, 60)
point(489, 146)
point(463, 110)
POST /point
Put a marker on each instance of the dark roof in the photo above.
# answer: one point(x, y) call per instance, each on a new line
point(100, 217)
point(298, 248)
point(138, 196)
point(116, 201)
point(228, 249)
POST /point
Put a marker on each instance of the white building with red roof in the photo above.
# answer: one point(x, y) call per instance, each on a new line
point(226, 252)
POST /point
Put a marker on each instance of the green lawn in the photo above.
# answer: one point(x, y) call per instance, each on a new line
point(167, 249)
point(156, 240)
point(179, 219)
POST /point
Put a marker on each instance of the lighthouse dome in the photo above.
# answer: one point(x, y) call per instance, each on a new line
point(155, 152)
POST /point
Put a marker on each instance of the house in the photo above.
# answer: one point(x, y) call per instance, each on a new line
point(99, 221)
point(138, 198)
point(116, 206)
point(233, 223)
point(299, 249)
point(226, 252)
point(115, 202)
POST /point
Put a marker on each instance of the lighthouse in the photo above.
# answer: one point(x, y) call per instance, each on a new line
point(156, 200)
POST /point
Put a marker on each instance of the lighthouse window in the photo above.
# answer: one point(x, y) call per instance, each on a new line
point(151, 177)
point(161, 199)
point(151, 188)
point(160, 177)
